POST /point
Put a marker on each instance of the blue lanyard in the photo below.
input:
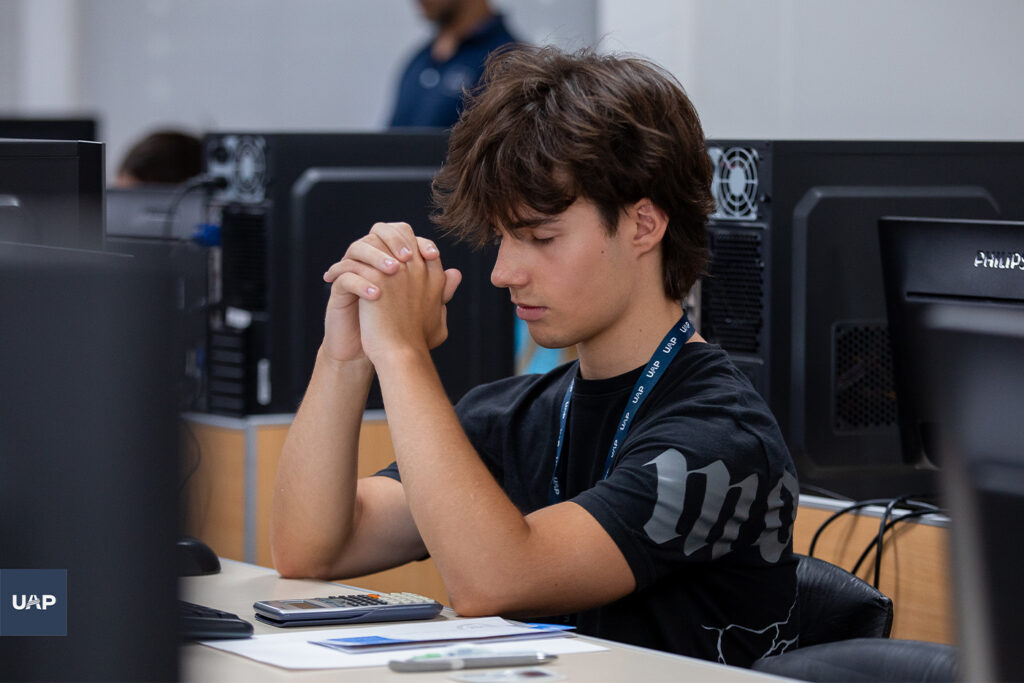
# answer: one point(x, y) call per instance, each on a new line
point(677, 336)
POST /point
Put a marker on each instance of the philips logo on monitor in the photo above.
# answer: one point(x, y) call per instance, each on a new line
point(999, 260)
point(34, 602)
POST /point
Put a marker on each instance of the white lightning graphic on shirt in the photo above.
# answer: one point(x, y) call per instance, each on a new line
point(778, 646)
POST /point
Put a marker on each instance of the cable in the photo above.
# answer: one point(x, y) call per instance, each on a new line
point(203, 181)
point(811, 488)
point(893, 522)
point(883, 525)
point(881, 534)
point(863, 504)
point(184, 508)
point(839, 513)
point(198, 449)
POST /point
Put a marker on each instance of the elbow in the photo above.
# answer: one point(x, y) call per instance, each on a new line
point(477, 601)
point(293, 562)
point(474, 608)
point(290, 567)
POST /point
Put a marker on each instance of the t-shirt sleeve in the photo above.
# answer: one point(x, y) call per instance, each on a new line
point(694, 490)
point(391, 471)
point(476, 413)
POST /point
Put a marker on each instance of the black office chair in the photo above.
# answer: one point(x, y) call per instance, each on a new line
point(836, 605)
point(879, 660)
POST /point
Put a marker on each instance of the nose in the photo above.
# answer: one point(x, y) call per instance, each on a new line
point(508, 268)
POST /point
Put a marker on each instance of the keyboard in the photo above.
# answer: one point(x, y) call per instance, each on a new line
point(206, 623)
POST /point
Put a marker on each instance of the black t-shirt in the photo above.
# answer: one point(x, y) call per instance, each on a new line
point(700, 500)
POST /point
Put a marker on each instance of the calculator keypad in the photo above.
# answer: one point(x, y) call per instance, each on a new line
point(375, 599)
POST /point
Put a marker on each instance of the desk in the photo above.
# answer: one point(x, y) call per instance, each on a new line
point(238, 585)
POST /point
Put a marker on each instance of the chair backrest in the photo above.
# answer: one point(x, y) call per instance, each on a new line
point(836, 605)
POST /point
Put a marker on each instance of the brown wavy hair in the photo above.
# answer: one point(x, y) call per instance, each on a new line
point(545, 128)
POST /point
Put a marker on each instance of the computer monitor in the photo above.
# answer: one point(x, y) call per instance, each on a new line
point(955, 297)
point(794, 287)
point(88, 465)
point(333, 207)
point(145, 212)
point(80, 128)
point(51, 193)
point(975, 381)
point(926, 262)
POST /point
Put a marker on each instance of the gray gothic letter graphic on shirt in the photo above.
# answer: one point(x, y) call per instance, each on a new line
point(673, 474)
point(770, 545)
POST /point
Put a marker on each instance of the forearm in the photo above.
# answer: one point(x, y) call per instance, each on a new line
point(474, 533)
point(313, 512)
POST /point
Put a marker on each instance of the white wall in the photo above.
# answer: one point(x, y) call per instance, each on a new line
point(219, 64)
point(885, 69)
point(10, 15)
point(916, 69)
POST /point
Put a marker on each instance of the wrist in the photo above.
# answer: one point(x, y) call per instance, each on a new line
point(355, 368)
point(400, 357)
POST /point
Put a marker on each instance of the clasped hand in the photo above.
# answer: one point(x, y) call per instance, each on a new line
point(387, 293)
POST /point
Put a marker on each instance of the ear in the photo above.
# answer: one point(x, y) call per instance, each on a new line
point(651, 223)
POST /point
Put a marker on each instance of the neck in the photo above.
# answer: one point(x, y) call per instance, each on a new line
point(631, 342)
point(454, 28)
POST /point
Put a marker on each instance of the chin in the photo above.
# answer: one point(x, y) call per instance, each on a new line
point(551, 340)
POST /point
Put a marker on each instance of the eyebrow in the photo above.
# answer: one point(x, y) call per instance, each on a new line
point(525, 223)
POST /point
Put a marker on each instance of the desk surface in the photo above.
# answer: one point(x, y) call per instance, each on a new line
point(238, 585)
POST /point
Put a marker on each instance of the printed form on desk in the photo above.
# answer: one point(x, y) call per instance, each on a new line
point(302, 649)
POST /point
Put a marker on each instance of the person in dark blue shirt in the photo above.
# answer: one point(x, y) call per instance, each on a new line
point(430, 90)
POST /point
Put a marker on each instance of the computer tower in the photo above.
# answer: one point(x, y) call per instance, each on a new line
point(794, 285)
point(268, 288)
point(156, 224)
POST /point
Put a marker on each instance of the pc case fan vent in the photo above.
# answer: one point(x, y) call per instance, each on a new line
point(863, 388)
point(250, 162)
point(733, 292)
point(734, 184)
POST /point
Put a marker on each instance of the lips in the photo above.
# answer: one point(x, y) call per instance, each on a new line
point(530, 313)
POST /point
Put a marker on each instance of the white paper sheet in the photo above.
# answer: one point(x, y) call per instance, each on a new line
point(293, 650)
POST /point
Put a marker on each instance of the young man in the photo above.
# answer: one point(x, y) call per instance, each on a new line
point(645, 490)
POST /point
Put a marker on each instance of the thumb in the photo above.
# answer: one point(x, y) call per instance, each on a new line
point(452, 279)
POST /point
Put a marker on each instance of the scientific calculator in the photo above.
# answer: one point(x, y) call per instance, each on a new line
point(346, 609)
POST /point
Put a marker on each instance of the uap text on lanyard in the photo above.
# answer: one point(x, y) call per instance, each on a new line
point(656, 367)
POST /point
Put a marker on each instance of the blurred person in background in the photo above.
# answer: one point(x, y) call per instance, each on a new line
point(431, 87)
point(168, 157)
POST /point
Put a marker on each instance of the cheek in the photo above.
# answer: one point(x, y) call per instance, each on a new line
point(577, 278)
